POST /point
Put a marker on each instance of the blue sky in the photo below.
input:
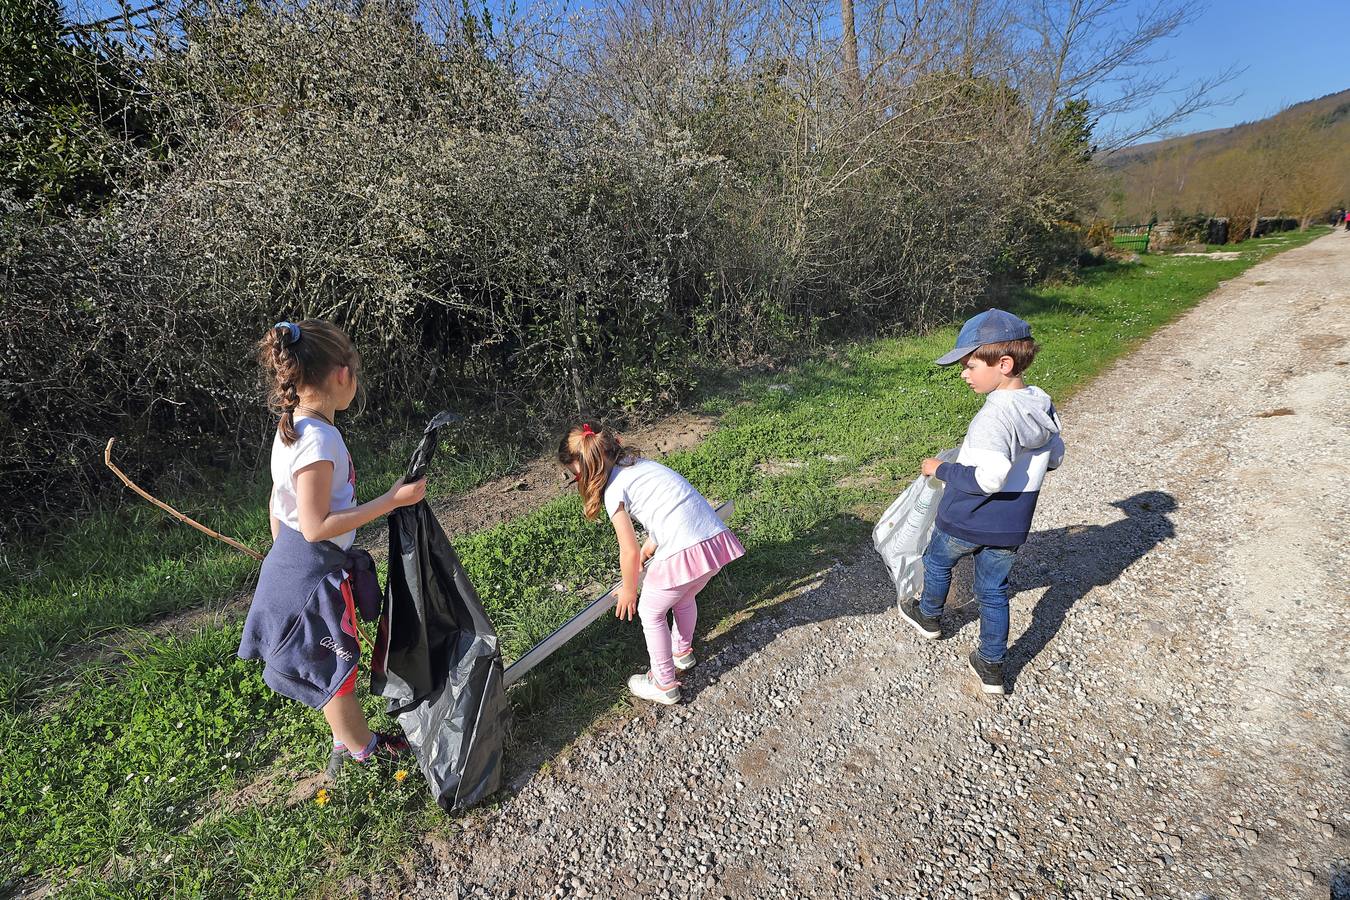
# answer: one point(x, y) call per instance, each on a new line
point(1293, 49)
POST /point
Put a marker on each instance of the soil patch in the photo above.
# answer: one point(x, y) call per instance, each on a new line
point(541, 480)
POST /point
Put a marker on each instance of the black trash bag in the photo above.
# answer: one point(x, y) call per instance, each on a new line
point(442, 672)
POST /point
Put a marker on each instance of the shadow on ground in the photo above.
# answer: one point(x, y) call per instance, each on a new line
point(1339, 878)
point(1069, 562)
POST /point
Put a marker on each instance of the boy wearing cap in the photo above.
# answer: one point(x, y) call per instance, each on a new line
point(991, 488)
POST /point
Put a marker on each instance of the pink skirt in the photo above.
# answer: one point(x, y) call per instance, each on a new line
point(692, 563)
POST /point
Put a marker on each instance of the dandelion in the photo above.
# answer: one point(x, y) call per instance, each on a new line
point(321, 798)
point(400, 775)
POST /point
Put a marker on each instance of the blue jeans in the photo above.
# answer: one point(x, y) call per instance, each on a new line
point(992, 565)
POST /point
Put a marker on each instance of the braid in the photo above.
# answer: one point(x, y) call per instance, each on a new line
point(290, 400)
point(296, 355)
point(286, 370)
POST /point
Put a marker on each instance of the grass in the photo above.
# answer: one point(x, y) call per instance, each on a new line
point(131, 563)
point(167, 770)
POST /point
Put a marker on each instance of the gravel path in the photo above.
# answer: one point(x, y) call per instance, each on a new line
point(1178, 722)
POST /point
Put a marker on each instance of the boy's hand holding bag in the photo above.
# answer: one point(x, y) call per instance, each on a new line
point(902, 534)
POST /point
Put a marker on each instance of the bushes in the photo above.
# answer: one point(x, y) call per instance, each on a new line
point(550, 244)
point(66, 112)
point(327, 164)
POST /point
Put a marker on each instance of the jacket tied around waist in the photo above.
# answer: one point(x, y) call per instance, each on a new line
point(300, 621)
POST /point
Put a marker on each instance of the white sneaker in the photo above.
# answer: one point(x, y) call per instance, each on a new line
point(686, 662)
point(643, 686)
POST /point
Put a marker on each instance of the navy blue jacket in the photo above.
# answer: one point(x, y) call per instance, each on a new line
point(298, 623)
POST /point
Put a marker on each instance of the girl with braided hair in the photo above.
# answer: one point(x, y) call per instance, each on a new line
point(302, 621)
point(687, 545)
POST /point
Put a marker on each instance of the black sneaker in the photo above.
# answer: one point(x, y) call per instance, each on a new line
point(990, 674)
point(928, 626)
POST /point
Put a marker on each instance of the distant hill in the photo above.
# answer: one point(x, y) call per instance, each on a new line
point(1296, 163)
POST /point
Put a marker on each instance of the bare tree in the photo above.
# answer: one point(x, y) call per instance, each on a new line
point(1107, 52)
point(1234, 182)
point(1310, 183)
point(852, 74)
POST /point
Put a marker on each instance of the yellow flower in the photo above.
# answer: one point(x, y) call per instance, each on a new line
point(321, 798)
point(400, 775)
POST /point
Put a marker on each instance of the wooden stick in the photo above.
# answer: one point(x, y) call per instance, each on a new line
point(107, 460)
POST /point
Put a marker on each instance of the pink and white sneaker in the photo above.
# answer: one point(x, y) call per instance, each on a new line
point(643, 686)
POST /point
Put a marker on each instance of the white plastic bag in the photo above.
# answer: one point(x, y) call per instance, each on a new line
point(901, 537)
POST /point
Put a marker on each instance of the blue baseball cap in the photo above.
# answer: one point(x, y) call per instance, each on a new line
point(989, 327)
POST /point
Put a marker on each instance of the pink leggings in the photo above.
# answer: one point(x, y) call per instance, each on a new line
point(653, 606)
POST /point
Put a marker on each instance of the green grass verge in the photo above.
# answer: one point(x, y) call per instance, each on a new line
point(132, 563)
point(168, 771)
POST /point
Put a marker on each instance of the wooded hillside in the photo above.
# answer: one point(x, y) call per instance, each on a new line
point(1295, 163)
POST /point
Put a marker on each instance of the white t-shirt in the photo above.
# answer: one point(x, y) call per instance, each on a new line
point(674, 514)
point(318, 440)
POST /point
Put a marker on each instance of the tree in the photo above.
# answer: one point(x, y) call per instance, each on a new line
point(852, 73)
point(67, 113)
point(1105, 51)
point(1235, 181)
point(1312, 156)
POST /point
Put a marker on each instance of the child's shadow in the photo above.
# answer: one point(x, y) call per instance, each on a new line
point(1071, 561)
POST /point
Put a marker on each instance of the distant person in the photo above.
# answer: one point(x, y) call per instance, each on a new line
point(1347, 220)
point(687, 545)
point(991, 489)
point(302, 621)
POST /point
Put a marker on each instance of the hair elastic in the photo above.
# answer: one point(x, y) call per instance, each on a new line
point(292, 329)
point(586, 430)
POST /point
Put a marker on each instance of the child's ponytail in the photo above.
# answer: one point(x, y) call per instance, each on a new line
point(596, 453)
point(300, 354)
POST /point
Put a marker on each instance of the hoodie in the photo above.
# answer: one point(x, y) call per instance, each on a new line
point(992, 487)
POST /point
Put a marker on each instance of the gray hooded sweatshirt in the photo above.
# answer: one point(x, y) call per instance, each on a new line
point(992, 488)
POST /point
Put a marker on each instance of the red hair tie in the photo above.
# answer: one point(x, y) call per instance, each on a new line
point(586, 430)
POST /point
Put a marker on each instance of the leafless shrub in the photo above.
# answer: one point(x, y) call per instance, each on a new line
point(549, 213)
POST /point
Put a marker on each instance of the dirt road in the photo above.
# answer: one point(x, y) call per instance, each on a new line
point(1179, 724)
